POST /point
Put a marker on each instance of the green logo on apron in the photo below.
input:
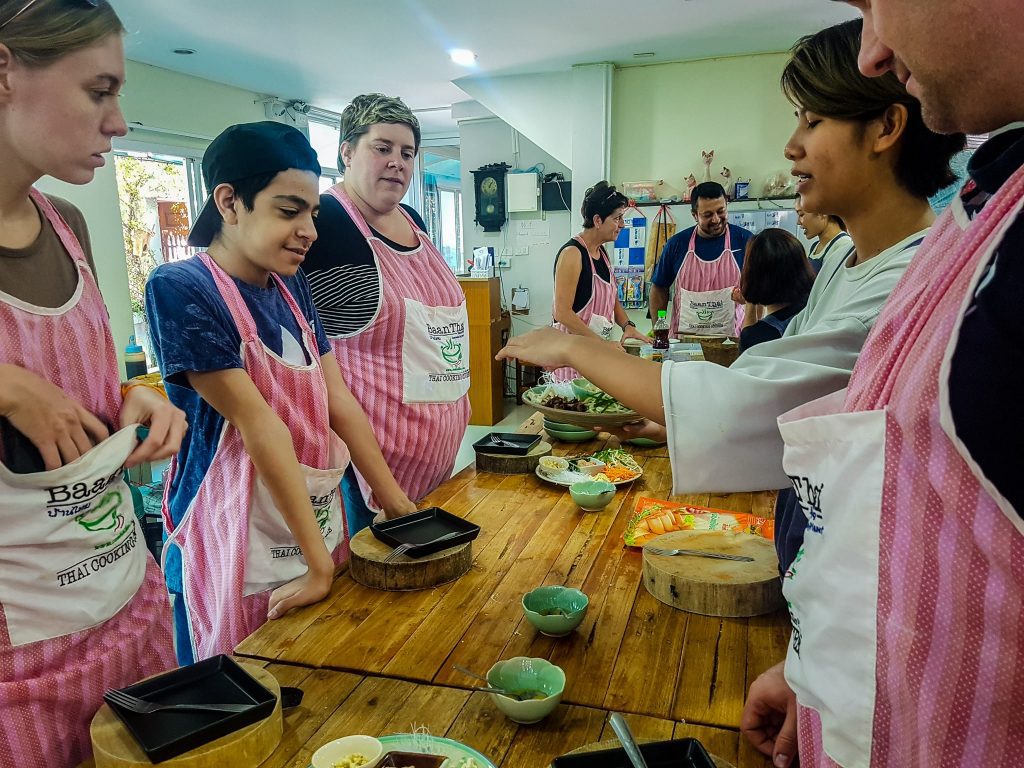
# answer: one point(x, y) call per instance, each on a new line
point(705, 315)
point(322, 515)
point(104, 516)
point(451, 352)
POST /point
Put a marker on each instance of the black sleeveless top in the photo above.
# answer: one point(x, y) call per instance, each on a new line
point(585, 284)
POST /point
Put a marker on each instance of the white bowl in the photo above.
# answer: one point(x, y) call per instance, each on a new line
point(592, 469)
point(553, 465)
point(335, 751)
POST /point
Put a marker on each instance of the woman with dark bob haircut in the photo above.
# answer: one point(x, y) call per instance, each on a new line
point(586, 300)
point(857, 150)
point(775, 282)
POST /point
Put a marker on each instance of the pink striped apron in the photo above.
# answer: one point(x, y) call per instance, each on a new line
point(87, 610)
point(409, 369)
point(906, 600)
point(703, 304)
point(598, 313)
point(235, 545)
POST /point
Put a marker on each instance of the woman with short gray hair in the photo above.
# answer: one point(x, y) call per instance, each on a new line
point(393, 310)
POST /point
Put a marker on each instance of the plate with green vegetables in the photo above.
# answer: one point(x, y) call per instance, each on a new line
point(587, 407)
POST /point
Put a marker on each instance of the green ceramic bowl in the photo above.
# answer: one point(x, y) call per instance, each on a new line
point(592, 495)
point(559, 426)
point(530, 676)
point(645, 442)
point(555, 611)
point(571, 437)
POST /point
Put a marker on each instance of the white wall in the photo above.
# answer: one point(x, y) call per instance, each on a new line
point(540, 106)
point(665, 114)
point(162, 99)
point(490, 140)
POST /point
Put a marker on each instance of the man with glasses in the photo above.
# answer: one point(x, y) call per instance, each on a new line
point(703, 265)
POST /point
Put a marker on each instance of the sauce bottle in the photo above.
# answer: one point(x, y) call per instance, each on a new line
point(135, 359)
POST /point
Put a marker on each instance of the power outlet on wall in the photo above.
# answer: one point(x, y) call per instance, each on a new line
point(506, 251)
point(504, 262)
point(522, 251)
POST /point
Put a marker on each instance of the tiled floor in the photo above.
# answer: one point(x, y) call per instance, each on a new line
point(514, 416)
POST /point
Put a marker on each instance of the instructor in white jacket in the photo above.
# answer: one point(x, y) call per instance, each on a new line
point(861, 151)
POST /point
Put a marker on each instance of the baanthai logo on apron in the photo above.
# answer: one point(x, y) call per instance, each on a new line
point(435, 353)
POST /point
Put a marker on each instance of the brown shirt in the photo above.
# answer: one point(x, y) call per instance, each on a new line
point(43, 274)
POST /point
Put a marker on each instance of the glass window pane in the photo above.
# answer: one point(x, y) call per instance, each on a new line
point(324, 139)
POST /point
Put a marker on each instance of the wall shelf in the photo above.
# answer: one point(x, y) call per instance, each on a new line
point(657, 203)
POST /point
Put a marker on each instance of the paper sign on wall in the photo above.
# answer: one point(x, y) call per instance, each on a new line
point(631, 243)
point(530, 232)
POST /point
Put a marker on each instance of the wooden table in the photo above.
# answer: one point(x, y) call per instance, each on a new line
point(632, 654)
point(338, 703)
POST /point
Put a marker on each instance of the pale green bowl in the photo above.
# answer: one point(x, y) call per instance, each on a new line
point(571, 437)
point(531, 675)
point(560, 426)
point(592, 495)
point(555, 611)
point(644, 442)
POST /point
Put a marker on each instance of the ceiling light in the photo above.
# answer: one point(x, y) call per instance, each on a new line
point(463, 57)
point(644, 55)
point(184, 51)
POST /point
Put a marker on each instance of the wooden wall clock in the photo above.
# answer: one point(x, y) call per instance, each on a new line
point(489, 189)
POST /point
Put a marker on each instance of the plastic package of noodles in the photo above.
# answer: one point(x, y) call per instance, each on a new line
point(654, 517)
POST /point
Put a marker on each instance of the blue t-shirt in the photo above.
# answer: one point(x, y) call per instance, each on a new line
point(708, 249)
point(192, 330)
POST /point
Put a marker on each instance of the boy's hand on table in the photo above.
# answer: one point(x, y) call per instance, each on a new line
point(311, 587)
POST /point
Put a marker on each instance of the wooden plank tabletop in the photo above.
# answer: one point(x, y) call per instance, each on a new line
point(338, 704)
point(631, 654)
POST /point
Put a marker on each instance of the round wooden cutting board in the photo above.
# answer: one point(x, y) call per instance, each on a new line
point(715, 587)
point(114, 747)
point(501, 464)
point(405, 574)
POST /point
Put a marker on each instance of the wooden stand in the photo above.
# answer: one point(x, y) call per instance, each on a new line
point(114, 747)
point(715, 348)
point(512, 465)
point(715, 587)
point(369, 569)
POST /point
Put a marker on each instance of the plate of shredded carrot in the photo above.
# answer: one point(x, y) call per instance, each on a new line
point(619, 469)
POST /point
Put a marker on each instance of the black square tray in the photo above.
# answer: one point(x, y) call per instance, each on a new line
point(218, 680)
point(423, 528)
point(678, 753)
point(523, 443)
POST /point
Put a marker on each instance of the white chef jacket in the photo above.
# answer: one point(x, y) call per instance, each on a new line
point(722, 431)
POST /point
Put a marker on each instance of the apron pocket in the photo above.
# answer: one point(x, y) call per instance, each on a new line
point(836, 462)
point(435, 353)
point(73, 554)
point(273, 558)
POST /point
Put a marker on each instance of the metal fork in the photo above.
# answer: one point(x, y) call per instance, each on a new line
point(698, 553)
point(502, 443)
point(143, 707)
point(401, 549)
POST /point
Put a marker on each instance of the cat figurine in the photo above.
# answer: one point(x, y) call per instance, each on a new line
point(708, 158)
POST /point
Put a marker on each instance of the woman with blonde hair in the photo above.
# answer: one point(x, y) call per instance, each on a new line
point(82, 604)
point(393, 310)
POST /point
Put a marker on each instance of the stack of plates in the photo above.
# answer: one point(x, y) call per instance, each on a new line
point(568, 433)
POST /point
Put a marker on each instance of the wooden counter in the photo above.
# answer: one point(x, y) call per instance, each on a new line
point(631, 654)
point(339, 703)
